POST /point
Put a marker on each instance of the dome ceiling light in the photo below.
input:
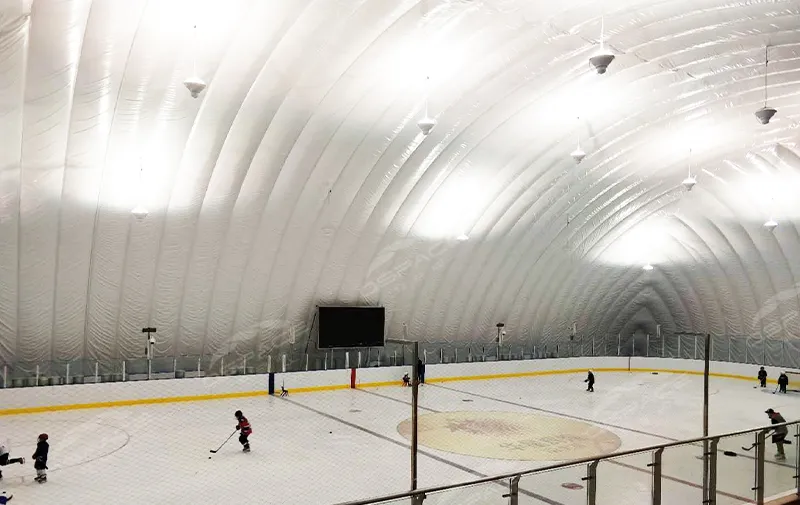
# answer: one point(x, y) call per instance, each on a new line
point(648, 267)
point(427, 123)
point(602, 58)
point(463, 237)
point(770, 225)
point(195, 84)
point(765, 113)
point(690, 181)
point(578, 154)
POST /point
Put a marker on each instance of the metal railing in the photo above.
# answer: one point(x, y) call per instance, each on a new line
point(751, 350)
point(779, 479)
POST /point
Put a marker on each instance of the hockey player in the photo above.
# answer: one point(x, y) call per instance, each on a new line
point(4, 498)
point(406, 381)
point(421, 371)
point(40, 458)
point(762, 377)
point(4, 458)
point(590, 380)
point(778, 434)
point(783, 381)
point(244, 430)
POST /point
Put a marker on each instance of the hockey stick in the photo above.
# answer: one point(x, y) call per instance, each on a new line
point(223, 443)
point(776, 389)
point(748, 448)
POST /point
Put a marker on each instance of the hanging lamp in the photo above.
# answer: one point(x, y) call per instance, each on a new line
point(765, 113)
point(602, 58)
point(195, 84)
point(690, 181)
point(578, 154)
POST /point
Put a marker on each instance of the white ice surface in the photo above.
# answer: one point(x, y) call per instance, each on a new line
point(322, 448)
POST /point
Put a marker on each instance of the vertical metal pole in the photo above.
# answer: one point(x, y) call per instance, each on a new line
point(592, 345)
point(513, 490)
point(680, 337)
point(198, 365)
point(359, 359)
point(97, 372)
point(797, 459)
point(269, 363)
point(591, 483)
point(124, 374)
point(705, 412)
point(37, 375)
point(760, 454)
point(5, 375)
point(149, 368)
point(244, 365)
point(648, 346)
point(663, 354)
point(347, 360)
point(729, 348)
point(67, 373)
point(174, 368)
point(764, 358)
point(222, 366)
point(283, 363)
point(695, 347)
point(619, 344)
point(306, 362)
point(326, 361)
point(656, 474)
point(633, 345)
point(414, 418)
point(711, 492)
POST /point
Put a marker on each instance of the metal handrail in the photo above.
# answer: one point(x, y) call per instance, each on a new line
point(558, 466)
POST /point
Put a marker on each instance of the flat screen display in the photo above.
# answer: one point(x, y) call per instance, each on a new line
point(351, 327)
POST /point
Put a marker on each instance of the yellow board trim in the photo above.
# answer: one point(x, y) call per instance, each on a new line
point(314, 389)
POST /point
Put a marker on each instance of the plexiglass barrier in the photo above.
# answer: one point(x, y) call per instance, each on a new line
point(296, 358)
point(717, 470)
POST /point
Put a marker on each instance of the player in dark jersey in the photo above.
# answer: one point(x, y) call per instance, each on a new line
point(40, 458)
point(590, 380)
point(5, 498)
point(244, 430)
point(4, 459)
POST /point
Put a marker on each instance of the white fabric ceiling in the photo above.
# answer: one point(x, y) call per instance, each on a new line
point(299, 176)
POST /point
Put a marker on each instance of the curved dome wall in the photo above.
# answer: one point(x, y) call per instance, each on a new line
point(299, 176)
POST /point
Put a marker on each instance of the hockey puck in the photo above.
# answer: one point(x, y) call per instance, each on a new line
point(209, 457)
point(729, 453)
point(330, 432)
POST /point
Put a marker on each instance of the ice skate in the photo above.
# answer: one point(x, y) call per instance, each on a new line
point(780, 456)
point(246, 448)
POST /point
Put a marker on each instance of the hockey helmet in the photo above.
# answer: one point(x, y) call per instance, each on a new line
point(238, 414)
point(43, 436)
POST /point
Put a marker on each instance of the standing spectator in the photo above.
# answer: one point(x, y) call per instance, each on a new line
point(783, 381)
point(762, 377)
point(778, 434)
point(421, 371)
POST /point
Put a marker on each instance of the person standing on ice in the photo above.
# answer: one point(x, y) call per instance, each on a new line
point(778, 434)
point(762, 377)
point(244, 430)
point(40, 458)
point(4, 498)
point(590, 380)
point(421, 371)
point(5, 461)
point(783, 381)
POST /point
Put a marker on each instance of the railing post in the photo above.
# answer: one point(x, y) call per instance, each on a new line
point(199, 359)
point(619, 344)
point(591, 483)
point(711, 492)
point(347, 360)
point(269, 363)
point(123, 370)
point(729, 348)
point(647, 344)
point(283, 363)
point(97, 372)
point(174, 368)
point(222, 366)
point(656, 473)
point(695, 347)
point(326, 359)
point(797, 459)
point(306, 362)
point(633, 345)
point(244, 365)
point(149, 368)
point(417, 499)
point(359, 359)
point(37, 375)
point(67, 381)
point(592, 345)
point(679, 347)
point(5, 376)
point(513, 490)
point(761, 450)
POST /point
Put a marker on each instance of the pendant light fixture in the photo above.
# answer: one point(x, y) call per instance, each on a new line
point(602, 58)
point(578, 154)
point(195, 84)
point(647, 267)
point(140, 211)
point(765, 113)
point(690, 181)
point(427, 123)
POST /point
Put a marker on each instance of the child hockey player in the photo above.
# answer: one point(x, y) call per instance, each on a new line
point(783, 381)
point(406, 381)
point(244, 430)
point(40, 458)
point(590, 380)
point(762, 377)
point(779, 434)
point(4, 458)
point(4, 498)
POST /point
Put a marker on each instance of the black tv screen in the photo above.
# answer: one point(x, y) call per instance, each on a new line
point(351, 327)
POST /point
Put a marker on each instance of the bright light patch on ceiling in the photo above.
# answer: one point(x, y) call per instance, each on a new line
point(650, 242)
point(758, 195)
point(453, 208)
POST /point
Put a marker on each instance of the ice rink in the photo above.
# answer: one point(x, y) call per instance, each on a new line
point(329, 447)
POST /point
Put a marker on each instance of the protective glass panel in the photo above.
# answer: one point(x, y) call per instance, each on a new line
point(489, 493)
point(565, 486)
point(682, 474)
point(779, 473)
point(755, 351)
point(624, 480)
point(736, 469)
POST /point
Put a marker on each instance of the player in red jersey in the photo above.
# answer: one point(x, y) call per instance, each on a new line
point(244, 430)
